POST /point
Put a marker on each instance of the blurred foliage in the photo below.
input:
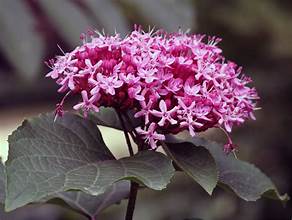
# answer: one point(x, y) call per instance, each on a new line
point(262, 29)
point(24, 37)
point(32, 29)
point(19, 43)
point(251, 18)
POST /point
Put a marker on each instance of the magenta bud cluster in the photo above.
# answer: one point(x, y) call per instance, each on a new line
point(173, 82)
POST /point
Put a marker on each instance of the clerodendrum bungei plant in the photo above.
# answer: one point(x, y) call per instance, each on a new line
point(150, 85)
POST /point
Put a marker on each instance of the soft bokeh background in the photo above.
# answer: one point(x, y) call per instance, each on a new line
point(257, 34)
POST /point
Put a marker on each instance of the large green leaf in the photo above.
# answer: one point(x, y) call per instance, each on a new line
point(70, 136)
point(92, 205)
point(109, 118)
point(246, 180)
point(46, 158)
point(89, 205)
point(20, 42)
point(197, 162)
point(2, 183)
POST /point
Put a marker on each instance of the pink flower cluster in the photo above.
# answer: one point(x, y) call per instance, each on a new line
point(174, 82)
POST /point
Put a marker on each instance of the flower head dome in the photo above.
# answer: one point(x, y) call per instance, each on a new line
point(174, 82)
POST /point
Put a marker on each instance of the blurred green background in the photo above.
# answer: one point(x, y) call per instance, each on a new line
point(257, 34)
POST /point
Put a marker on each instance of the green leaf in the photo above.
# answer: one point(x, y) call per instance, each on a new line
point(20, 42)
point(71, 136)
point(197, 162)
point(92, 205)
point(109, 118)
point(246, 180)
point(2, 183)
point(46, 158)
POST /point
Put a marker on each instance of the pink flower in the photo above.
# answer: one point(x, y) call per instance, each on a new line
point(62, 64)
point(91, 69)
point(130, 78)
point(191, 89)
point(184, 61)
point(186, 113)
point(87, 104)
point(134, 93)
point(148, 75)
point(145, 111)
point(109, 84)
point(68, 81)
point(174, 85)
point(166, 61)
point(151, 136)
point(191, 124)
point(59, 111)
point(229, 147)
point(173, 82)
point(164, 114)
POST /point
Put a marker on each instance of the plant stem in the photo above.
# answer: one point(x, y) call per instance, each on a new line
point(132, 200)
point(134, 185)
point(137, 140)
point(126, 133)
